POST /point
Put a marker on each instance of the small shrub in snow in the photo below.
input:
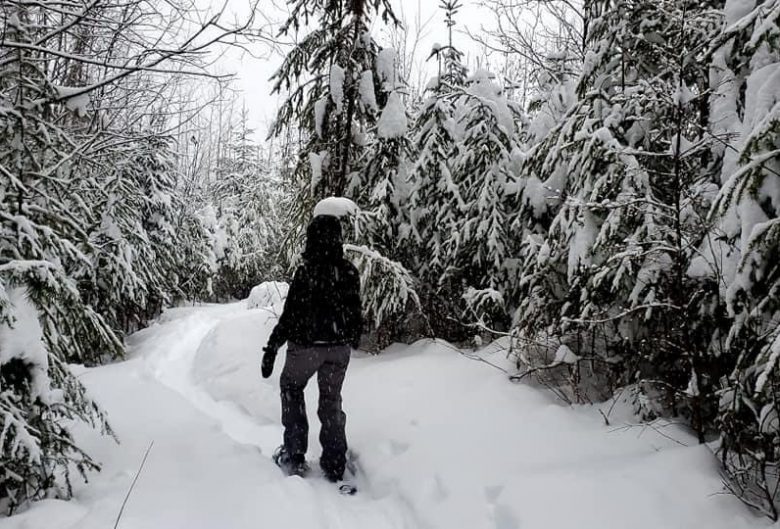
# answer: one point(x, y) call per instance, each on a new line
point(39, 399)
point(268, 295)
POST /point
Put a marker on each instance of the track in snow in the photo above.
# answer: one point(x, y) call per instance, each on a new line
point(171, 352)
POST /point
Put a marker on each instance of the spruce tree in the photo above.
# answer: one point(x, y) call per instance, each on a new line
point(329, 77)
point(435, 201)
point(628, 196)
point(477, 248)
point(248, 204)
point(133, 237)
point(347, 105)
point(44, 323)
point(742, 255)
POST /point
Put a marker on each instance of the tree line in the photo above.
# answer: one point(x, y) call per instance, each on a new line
point(607, 204)
point(119, 195)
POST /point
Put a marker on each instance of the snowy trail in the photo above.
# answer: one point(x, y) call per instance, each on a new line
point(445, 443)
point(172, 356)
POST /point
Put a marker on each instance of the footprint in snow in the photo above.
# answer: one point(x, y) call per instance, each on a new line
point(394, 448)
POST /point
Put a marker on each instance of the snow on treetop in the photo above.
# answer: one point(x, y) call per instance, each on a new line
point(385, 68)
point(482, 75)
point(433, 83)
point(336, 206)
point(337, 86)
point(392, 122)
point(319, 115)
point(483, 86)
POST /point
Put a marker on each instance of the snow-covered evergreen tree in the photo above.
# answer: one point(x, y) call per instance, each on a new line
point(435, 201)
point(44, 322)
point(477, 248)
point(247, 204)
point(347, 103)
point(133, 237)
point(382, 185)
point(333, 78)
point(742, 254)
point(90, 244)
point(623, 173)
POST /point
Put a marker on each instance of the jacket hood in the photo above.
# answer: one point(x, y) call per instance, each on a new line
point(324, 239)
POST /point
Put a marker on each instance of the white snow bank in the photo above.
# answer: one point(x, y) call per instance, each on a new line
point(268, 295)
point(227, 366)
point(336, 206)
point(495, 455)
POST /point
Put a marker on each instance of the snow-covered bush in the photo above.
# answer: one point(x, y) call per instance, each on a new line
point(39, 399)
point(270, 295)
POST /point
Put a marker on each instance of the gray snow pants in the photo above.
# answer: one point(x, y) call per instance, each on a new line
point(330, 363)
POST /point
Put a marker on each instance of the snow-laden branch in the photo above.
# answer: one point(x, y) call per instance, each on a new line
point(387, 286)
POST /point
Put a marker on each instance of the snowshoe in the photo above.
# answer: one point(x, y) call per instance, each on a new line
point(345, 481)
point(344, 484)
point(292, 465)
point(346, 488)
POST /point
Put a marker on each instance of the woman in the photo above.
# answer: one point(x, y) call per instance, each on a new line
point(320, 321)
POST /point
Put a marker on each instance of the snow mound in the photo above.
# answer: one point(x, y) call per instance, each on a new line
point(336, 206)
point(564, 355)
point(268, 295)
point(227, 366)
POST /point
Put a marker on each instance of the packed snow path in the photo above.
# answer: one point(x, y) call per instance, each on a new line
point(445, 442)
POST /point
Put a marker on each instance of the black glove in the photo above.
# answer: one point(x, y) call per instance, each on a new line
point(269, 357)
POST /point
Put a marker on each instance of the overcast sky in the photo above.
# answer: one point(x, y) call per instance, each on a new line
point(253, 72)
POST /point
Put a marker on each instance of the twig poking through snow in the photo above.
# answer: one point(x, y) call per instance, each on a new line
point(132, 485)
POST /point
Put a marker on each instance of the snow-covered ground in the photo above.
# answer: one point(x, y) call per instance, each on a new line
point(444, 442)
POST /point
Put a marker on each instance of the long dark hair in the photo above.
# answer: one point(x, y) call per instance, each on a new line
point(324, 240)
